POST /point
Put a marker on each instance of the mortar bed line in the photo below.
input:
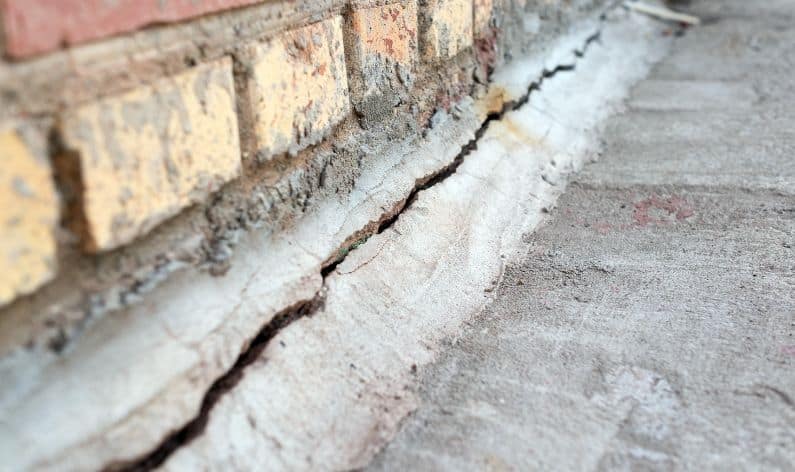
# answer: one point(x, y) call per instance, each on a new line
point(307, 308)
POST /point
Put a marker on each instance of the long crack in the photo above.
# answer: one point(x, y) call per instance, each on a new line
point(195, 427)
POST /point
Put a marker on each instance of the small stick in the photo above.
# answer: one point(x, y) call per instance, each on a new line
point(664, 13)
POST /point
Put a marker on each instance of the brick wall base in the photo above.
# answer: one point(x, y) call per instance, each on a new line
point(157, 149)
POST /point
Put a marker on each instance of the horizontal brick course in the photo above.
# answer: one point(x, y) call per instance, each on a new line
point(38, 26)
point(28, 218)
point(296, 87)
point(146, 154)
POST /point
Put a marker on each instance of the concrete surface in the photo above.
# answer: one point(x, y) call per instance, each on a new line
point(650, 326)
point(330, 390)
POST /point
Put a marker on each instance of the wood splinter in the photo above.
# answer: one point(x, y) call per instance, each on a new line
point(662, 13)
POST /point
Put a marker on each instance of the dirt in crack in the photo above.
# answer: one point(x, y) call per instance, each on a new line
point(231, 378)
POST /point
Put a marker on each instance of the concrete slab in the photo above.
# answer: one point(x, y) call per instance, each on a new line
point(652, 324)
point(692, 95)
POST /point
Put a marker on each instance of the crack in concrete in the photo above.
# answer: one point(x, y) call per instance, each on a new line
point(472, 145)
point(222, 385)
point(308, 308)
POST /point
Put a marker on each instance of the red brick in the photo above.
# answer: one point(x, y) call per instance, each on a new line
point(38, 26)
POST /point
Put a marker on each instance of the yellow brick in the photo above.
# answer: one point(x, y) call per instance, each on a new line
point(482, 15)
point(147, 154)
point(297, 87)
point(29, 209)
point(446, 27)
point(380, 38)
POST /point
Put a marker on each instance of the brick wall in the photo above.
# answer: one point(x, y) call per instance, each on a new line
point(116, 117)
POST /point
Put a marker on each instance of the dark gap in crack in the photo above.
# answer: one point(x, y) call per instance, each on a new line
point(307, 308)
point(325, 271)
point(222, 385)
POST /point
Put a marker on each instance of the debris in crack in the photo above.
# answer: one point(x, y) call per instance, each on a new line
point(231, 378)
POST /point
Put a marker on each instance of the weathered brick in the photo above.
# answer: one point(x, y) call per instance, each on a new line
point(381, 46)
point(296, 87)
point(148, 153)
point(482, 16)
point(37, 26)
point(29, 209)
point(445, 27)
point(385, 34)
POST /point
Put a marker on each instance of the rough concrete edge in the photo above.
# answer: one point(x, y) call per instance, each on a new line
point(298, 252)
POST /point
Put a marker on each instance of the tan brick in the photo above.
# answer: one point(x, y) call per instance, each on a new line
point(29, 207)
point(482, 16)
point(379, 39)
point(296, 89)
point(445, 27)
point(146, 154)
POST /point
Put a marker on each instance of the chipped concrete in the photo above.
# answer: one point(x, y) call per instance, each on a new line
point(266, 198)
point(202, 338)
point(650, 325)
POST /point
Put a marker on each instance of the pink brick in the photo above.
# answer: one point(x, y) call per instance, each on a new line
point(38, 26)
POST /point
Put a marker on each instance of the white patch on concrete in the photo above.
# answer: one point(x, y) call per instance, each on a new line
point(330, 390)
